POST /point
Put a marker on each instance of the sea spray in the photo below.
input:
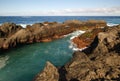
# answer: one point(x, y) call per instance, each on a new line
point(72, 45)
point(111, 24)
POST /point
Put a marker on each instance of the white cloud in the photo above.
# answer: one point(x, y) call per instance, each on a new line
point(115, 11)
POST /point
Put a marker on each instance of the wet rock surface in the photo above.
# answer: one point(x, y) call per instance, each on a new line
point(100, 62)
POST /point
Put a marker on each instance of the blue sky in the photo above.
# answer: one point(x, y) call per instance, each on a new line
point(59, 7)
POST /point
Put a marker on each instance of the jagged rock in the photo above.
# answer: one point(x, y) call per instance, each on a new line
point(50, 73)
point(38, 32)
point(87, 38)
point(84, 68)
point(107, 41)
point(22, 36)
point(103, 60)
point(102, 63)
point(78, 67)
point(9, 28)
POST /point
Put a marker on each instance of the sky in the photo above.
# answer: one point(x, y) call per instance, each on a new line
point(59, 7)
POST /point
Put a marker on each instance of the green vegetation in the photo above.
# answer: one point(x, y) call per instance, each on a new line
point(87, 34)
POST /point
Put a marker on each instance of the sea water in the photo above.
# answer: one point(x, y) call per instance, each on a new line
point(24, 62)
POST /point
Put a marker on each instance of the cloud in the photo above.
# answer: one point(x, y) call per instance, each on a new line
point(113, 11)
point(87, 11)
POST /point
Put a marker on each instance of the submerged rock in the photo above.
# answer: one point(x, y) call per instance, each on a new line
point(50, 73)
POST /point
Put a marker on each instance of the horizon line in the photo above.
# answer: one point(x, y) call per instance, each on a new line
point(59, 15)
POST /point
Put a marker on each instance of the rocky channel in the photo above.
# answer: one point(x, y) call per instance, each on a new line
point(99, 62)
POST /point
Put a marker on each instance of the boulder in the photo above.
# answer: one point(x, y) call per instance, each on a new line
point(50, 73)
point(22, 36)
point(107, 41)
point(9, 29)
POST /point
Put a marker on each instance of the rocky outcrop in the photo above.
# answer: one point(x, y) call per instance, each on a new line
point(7, 29)
point(13, 34)
point(100, 62)
point(86, 25)
point(107, 41)
point(87, 38)
point(50, 73)
point(101, 68)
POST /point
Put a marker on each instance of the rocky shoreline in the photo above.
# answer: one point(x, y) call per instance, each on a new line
point(12, 35)
point(99, 62)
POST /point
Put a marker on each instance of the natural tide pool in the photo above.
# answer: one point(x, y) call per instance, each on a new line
point(23, 63)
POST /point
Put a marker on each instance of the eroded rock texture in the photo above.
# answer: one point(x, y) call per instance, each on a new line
point(12, 35)
point(100, 62)
point(50, 73)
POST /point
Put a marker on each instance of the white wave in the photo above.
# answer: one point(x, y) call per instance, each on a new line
point(73, 35)
point(24, 25)
point(74, 47)
point(112, 24)
point(3, 61)
point(76, 33)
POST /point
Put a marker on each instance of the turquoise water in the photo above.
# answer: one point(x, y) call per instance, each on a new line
point(25, 62)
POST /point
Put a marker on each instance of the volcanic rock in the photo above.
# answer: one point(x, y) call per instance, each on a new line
point(50, 73)
point(39, 32)
point(9, 28)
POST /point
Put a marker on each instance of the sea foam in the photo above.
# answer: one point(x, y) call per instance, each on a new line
point(72, 36)
point(111, 24)
point(24, 25)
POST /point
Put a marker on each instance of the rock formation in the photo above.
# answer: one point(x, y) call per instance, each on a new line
point(11, 34)
point(100, 62)
point(50, 73)
point(87, 38)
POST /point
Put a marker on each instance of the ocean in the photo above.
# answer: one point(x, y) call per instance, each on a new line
point(24, 62)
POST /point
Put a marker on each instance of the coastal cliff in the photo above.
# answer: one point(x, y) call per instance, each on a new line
point(12, 35)
point(99, 62)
